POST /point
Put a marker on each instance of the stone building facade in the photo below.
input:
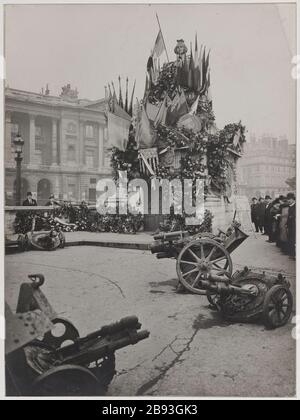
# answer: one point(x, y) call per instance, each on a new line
point(265, 167)
point(65, 144)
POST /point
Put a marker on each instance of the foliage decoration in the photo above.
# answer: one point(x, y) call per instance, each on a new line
point(77, 218)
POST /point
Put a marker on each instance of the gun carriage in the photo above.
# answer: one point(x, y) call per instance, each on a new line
point(204, 266)
point(45, 355)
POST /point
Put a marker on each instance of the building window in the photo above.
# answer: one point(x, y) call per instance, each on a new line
point(90, 158)
point(71, 191)
point(71, 127)
point(39, 141)
point(14, 129)
point(89, 131)
point(71, 156)
point(38, 131)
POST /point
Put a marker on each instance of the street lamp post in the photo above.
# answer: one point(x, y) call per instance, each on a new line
point(18, 145)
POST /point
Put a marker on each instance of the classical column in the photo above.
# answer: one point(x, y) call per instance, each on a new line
point(81, 159)
point(101, 147)
point(56, 188)
point(54, 141)
point(32, 157)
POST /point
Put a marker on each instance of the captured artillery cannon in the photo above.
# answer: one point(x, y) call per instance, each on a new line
point(204, 266)
point(45, 240)
point(45, 355)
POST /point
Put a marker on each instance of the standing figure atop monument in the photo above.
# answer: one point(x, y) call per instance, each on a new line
point(180, 51)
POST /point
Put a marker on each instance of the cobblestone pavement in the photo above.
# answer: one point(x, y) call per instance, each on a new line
point(191, 351)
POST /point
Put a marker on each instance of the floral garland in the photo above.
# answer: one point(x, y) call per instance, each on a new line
point(204, 155)
point(80, 218)
point(166, 84)
point(196, 147)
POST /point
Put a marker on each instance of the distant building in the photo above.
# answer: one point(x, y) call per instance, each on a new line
point(265, 167)
point(66, 144)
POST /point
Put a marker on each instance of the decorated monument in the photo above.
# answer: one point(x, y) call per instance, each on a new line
point(174, 134)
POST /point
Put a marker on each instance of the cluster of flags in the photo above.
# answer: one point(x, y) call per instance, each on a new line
point(115, 101)
point(119, 115)
point(170, 112)
point(195, 70)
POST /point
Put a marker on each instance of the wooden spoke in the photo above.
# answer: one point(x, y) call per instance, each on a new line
point(278, 313)
point(219, 259)
point(282, 311)
point(196, 280)
point(202, 251)
point(211, 253)
point(188, 262)
point(193, 255)
point(218, 267)
point(189, 272)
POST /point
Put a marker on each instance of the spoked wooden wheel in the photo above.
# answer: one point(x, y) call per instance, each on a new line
point(278, 306)
point(199, 259)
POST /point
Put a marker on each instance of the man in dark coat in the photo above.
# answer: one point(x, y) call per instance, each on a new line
point(291, 225)
point(268, 216)
point(30, 201)
point(254, 215)
point(261, 210)
point(274, 218)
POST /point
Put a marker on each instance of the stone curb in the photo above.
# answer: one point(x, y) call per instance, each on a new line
point(107, 244)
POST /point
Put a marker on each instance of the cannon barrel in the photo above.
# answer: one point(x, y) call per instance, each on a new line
point(171, 236)
point(90, 352)
point(157, 247)
point(127, 322)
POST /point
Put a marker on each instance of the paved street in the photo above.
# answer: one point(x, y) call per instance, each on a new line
point(191, 351)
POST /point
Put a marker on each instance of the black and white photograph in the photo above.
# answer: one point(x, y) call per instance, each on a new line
point(149, 201)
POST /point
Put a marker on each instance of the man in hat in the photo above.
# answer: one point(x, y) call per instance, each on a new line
point(254, 214)
point(52, 201)
point(268, 217)
point(30, 201)
point(261, 211)
point(291, 225)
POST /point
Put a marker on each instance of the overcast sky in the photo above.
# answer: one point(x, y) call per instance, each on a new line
point(90, 45)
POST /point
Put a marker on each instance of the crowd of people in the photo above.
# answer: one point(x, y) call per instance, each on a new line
point(276, 219)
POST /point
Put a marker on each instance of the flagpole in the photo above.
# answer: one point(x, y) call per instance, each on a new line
point(162, 37)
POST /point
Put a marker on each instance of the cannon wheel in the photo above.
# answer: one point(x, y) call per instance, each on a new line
point(69, 333)
point(278, 306)
point(198, 259)
point(66, 381)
